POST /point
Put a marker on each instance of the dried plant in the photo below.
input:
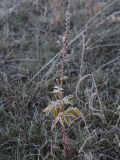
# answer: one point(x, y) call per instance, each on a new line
point(62, 110)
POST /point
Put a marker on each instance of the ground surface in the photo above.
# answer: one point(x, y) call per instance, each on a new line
point(29, 66)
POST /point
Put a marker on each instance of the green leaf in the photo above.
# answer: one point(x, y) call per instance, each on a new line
point(68, 120)
point(57, 90)
point(78, 113)
point(58, 119)
point(73, 112)
point(48, 109)
point(68, 100)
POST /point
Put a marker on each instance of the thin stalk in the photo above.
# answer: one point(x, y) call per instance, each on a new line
point(64, 135)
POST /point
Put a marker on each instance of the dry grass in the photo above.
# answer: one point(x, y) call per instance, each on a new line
point(30, 54)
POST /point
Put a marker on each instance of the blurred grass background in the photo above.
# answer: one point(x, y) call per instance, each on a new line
point(28, 69)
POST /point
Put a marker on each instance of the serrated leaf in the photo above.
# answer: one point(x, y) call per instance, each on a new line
point(57, 90)
point(71, 115)
point(48, 109)
point(55, 122)
point(55, 112)
point(68, 100)
point(58, 119)
point(73, 112)
point(68, 120)
point(57, 87)
point(77, 111)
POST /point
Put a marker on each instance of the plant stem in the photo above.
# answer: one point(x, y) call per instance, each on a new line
point(64, 135)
